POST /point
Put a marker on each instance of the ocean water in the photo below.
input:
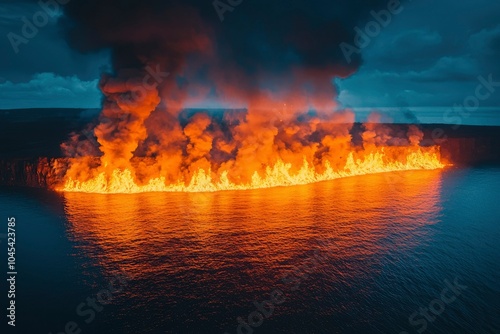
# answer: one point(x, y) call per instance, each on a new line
point(409, 252)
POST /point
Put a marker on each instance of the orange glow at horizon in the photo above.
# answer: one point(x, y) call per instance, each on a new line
point(281, 174)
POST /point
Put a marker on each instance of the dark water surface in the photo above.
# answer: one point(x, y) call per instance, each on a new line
point(356, 255)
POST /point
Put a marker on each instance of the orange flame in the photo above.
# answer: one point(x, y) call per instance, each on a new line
point(149, 149)
point(280, 174)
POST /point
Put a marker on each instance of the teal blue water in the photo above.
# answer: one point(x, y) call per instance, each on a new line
point(414, 252)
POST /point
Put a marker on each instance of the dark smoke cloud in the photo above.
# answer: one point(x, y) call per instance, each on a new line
point(259, 44)
point(275, 58)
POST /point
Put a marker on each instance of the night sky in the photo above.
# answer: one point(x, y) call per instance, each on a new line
point(430, 54)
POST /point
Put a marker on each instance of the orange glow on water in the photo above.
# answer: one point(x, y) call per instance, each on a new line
point(258, 231)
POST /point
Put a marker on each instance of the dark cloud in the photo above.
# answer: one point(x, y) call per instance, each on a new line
point(259, 43)
point(485, 47)
point(431, 55)
point(448, 69)
point(254, 32)
point(46, 51)
point(50, 90)
point(409, 47)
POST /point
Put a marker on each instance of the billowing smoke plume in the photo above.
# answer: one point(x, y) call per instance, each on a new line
point(275, 59)
point(274, 50)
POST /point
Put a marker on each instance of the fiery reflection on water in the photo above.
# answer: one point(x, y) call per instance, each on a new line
point(196, 251)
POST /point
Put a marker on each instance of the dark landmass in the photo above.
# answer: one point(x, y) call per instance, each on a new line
point(32, 133)
point(30, 139)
